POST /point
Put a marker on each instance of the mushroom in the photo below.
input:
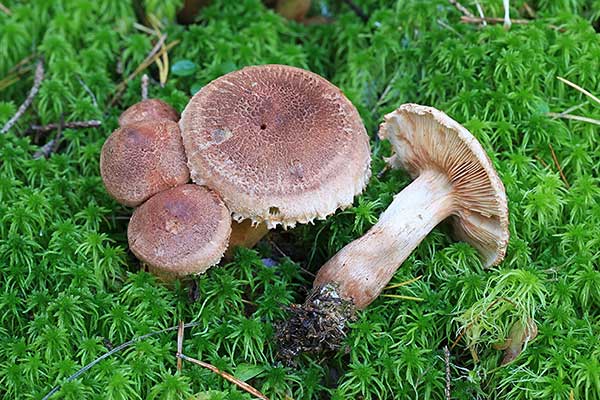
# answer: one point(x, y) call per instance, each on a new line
point(453, 178)
point(141, 159)
point(180, 231)
point(146, 156)
point(270, 140)
point(281, 145)
point(148, 110)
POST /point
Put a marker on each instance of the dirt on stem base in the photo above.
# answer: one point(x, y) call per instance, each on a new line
point(317, 326)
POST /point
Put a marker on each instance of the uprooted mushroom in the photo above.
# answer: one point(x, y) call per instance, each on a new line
point(453, 179)
point(279, 145)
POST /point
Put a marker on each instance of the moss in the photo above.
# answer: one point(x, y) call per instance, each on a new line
point(70, 290)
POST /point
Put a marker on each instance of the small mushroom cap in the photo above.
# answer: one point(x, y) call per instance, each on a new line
point(424, 138)
point(180, 231)
point(142, 159)
point(281, 145)
point(148, 110)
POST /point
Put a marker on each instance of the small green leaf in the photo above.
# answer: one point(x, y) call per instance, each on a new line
point(184, 68)
point(245, 372)
point(195, 88)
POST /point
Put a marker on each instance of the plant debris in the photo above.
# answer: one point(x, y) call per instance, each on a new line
point(518, 338)
point(319, 325)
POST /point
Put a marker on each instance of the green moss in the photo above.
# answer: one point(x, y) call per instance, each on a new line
point(69, 289)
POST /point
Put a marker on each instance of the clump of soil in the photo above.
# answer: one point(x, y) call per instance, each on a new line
point(319, 325)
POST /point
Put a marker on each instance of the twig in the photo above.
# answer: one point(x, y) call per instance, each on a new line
point(248, 302)
point(9, 80)
point(119, 66)
point(18, 70)
point(88, 90)
point(574, 118)
point(383, 171)
point(571, 109)
point(381, 99)
point(39, 76)
point(541, 161)
point(557, 164)
point(492, 20)
point(507, 22)
point(241, 384)
point(180, 332)
point(93, 123)
point(143, 28)
point(579, 88)
point(448, 377)
point(360, 13)
point(53, 144)
point(529, 10)
point(162, 65)
point(45, 150)
point(145, 87)
point(111, 352)
point(480, 11)
point(5, 9)
point(154, 54)
point(20, 64)
point(461, 8)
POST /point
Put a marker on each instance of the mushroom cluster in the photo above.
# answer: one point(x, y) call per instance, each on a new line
point(453, 179)
point(266, 145)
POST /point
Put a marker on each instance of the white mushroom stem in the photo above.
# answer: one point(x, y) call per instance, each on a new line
point(364, 267)
point(507, 22)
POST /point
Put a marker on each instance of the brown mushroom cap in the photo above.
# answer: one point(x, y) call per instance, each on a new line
point(424, 138)
point(281, 145)
point(180, 231)
point(142, 159)
point(148, 110)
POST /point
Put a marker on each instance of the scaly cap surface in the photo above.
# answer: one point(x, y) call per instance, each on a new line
point(180, 231)
point(148, 110)
point(142, 159)
point(281, 145)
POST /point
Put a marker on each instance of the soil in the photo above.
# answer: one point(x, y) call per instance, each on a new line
point(317, 326)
